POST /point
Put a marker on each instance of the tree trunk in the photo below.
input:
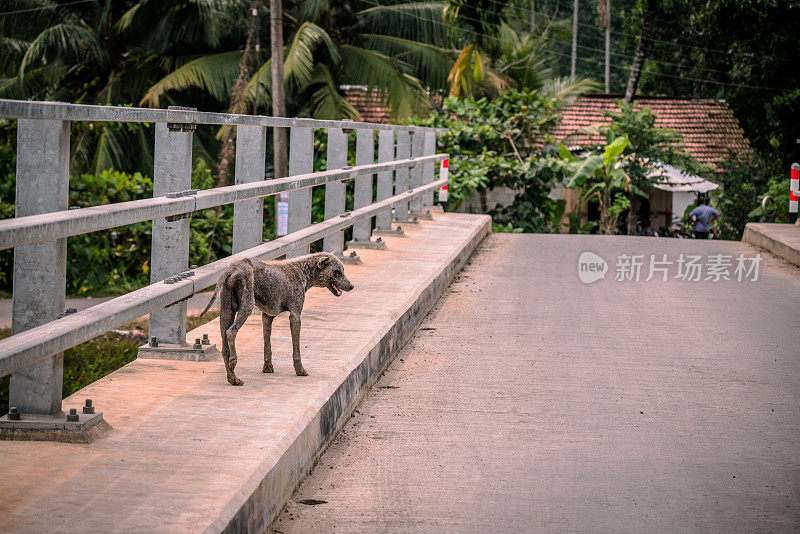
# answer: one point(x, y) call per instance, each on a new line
point(228, 151)
point(278, 94)
point(608, 47)
point(572, 71)
point(641, 50)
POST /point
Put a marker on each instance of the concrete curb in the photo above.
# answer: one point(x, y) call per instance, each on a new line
point(782, 240)
point(256, 505)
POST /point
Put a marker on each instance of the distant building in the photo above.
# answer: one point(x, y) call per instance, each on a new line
point(708, 127)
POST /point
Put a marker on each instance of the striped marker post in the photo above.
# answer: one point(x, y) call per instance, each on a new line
point(794, 190)
point(444, 169)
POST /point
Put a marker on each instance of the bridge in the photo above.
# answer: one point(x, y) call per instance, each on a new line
point(471, 381)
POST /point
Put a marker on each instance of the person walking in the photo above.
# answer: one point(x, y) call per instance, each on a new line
point(702, 217)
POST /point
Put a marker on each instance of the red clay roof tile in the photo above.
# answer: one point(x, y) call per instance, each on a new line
point(708, 127)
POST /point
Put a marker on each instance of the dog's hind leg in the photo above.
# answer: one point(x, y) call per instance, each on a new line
point(266, 325)
point(226, 316)
point(294, 325)
point(246, 303)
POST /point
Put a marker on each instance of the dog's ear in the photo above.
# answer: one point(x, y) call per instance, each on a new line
point(323, 262)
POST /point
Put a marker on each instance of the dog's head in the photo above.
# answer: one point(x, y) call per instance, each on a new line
point(330, 274)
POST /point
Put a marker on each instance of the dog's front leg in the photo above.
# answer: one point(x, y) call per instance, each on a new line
point(266, 325)
point(294, 325)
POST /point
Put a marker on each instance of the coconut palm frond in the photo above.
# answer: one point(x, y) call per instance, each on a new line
point(65, 42)
point(328, 101)
point(467, 71)
point(431, 63)
point(404, 93)
point(39, 83)
point(415, 21)
point(311, 10)
point(568, 89)
point(258, 91)
point(214, 74)
point(298, 63)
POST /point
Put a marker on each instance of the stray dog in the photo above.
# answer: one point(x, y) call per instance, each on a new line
point(274, 287)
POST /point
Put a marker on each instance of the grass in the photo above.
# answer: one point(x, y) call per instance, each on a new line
point(94, 359)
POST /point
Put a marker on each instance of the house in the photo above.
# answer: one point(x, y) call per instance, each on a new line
point(708, 127)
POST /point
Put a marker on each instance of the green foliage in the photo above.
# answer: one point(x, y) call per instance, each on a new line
point(778, 189)
point(499, 143)
point(616, 174)
point(116, 261)
point(604, 178)
point(742, 188)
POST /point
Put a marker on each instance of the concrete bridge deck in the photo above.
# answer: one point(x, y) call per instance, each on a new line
point(189, 453)
point(531, 402)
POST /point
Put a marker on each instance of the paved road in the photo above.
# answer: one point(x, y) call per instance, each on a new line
point(529, 401)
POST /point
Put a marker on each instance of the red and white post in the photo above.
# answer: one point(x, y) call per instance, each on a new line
point(794, 192)
point(443, 173)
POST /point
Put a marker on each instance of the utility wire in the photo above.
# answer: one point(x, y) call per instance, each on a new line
point(622, 67)
point(672, 43)
point(42, 8)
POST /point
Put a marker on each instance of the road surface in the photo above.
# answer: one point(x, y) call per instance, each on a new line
point(530, 401)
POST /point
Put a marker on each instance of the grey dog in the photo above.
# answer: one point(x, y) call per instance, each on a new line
point(274, 287)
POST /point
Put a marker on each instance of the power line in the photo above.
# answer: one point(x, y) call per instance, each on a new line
point(29, 10)
point(492, 37)
point(671, 43)
point(679, 65)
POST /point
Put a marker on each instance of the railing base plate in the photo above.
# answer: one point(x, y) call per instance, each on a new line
point(383, 232)
point(378, 244)
point(184, 352)
point(349, 259)
point(408, 220)
point(424, 216)
point(29, 427)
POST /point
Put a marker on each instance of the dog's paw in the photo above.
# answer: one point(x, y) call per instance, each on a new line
point(235, 381)
point(301, 372)
point(268, 369)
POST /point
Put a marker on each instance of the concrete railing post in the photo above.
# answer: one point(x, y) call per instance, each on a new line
point(383, 221)
point(301, 161)
point(417, 150)
point(401, 177)
point(248, 215)
point(40, 269)
point(362, 196)
point(335, 191)
point(427, 169)
point(172, 172)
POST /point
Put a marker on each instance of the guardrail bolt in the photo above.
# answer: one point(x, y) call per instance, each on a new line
point(72, 417)
point(197, 344)
point(206, 341)
point(13, 414)
point(154, 341)
point(88, 408)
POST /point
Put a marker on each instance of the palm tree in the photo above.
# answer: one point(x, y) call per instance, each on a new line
point(101, 52)
point(332, 44)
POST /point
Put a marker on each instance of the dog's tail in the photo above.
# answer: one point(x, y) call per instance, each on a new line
point(214, 296)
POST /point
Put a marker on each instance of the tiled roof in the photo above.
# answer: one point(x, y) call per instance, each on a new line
point(371, 105)
point(708, 127)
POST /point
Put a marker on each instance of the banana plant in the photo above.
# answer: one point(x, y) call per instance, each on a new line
point(602, 177)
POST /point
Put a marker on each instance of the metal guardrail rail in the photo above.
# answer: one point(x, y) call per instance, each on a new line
point(405, 171)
